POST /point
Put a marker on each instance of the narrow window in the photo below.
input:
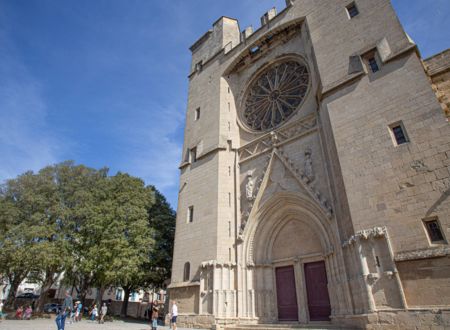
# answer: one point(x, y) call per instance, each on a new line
point(229, 126)
point(229, 107)
point(434, 230)
point(197, 114)
point(229, 170)
point(186, 272)
point(193, 153)
point(398, 133)
point(229, 254)
point(199, 66)
point(377, 260)
point(373, 64)
point(352, 10)
point(190, 217)
point(229, 199)
point(228, 90)
point(229, 228)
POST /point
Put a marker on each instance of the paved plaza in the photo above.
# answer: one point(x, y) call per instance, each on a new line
point(83, 325)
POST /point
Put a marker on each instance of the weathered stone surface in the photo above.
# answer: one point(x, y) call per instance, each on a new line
point(327, 184)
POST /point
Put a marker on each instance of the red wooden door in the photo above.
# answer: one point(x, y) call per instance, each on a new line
point(317, 290)
point(286, 294)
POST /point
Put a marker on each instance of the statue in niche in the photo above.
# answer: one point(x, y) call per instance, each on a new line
point(249, 186)
point(308, 168)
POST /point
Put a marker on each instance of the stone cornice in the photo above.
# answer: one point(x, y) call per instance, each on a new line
point(436, 252)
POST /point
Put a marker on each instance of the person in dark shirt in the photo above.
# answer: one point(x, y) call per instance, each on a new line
point(65, 310)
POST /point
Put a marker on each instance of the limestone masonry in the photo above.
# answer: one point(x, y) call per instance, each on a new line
point(315, 175)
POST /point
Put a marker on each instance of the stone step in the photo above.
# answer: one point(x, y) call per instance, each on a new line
point(281, 326)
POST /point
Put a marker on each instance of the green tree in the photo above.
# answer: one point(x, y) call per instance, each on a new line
point(156, 267)
point(114, 238)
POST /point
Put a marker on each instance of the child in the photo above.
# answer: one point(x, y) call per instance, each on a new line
point(28, 312)
point(19, 312)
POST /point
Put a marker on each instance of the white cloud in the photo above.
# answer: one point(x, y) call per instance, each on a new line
point(26, 142)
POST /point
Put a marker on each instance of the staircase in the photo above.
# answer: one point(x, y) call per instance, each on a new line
point(282, 326)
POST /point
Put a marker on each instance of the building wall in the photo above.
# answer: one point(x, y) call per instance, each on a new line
point(367, 197)
point(438, 68)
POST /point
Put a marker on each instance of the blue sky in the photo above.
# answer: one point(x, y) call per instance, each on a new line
point(104, 82)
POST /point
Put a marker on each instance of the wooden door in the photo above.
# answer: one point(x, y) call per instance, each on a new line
point(286, 294)
point(317, 291)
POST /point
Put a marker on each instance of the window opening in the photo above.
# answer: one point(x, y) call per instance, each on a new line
point(399, 133)
point(434, 230)
point(373, 64)
point(352, 10)
point(191, 214)
point(193, 155)
point(187, 270)
point(197, 114)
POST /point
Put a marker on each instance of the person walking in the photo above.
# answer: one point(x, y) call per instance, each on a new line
point(174, 315)
point(155, 316)
point(103, 312)
point(65, 309)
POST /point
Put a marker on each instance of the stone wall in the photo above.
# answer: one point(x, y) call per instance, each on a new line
point(425, 282)
point(438, 68)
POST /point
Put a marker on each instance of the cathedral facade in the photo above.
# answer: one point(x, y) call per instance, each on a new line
point(315, 176)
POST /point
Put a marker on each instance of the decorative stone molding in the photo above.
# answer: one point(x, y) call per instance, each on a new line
point(372, 278)
point(249, 186)
point(307, 183)
point(442, 251)
point(308, 167)
point(365, 234)
point(217, 264)
point(277, 138)
point(251, 191)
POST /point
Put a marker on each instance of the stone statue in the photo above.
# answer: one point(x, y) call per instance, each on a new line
point(308, 168)
point(249, 186)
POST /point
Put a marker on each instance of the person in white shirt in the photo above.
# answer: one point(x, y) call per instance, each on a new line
point(174, 315)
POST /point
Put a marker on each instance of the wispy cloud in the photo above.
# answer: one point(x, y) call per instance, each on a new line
point(26, 141)
point(153, 149)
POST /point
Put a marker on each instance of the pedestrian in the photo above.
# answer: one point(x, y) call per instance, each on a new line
point(19, 312)
point(103, 312)
point(73, 313)
point(174, 315)
point(78, 312)
point(1, 310)
point(155, 316)
point(94, 313)
point(28, 312)
point(63, 312)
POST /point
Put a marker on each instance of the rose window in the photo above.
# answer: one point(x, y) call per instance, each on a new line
point(275, 95)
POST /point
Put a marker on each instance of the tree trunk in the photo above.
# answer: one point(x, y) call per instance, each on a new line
point(100, 292)
point(127, 291)
point(48, 282)
point(15, 282)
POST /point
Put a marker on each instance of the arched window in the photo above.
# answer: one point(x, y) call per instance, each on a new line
point(187, 270)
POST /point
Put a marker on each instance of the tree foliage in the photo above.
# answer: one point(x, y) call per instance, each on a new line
point(95, 229)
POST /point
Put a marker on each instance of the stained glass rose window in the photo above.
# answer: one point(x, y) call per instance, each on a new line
point(275, 95)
